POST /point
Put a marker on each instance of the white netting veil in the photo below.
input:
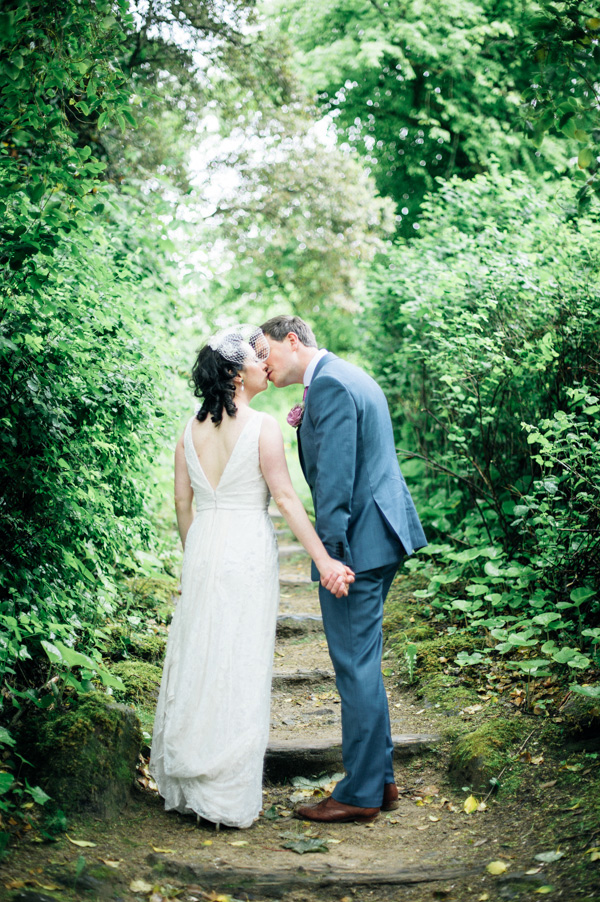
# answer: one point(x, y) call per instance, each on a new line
point(240, 343)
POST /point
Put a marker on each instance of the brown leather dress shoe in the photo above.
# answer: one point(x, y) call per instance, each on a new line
point(390, 797)
point(330, 811)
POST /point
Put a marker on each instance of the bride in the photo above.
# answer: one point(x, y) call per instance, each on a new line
point(212, 718)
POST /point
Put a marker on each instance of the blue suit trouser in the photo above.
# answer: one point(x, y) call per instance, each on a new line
point(353, 627)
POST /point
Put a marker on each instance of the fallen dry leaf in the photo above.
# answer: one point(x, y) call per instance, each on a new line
point(544, 890)
point(239, 842)
point(82, 843)
point(164, 851)
point(496, 867)
point(140, 886)
point(111, 862)
point(537, 760)
point(470, 805)
point(300, 794)
point(429, 791)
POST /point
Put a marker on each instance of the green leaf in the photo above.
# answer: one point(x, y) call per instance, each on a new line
point(74, 658)
point(549, 857)
point(587, 691)
point(6, 781)
point(533, 666)
point(6, 738)
point(547, 618)
point(584, 158)
point(302, 846)
point(38, 795)
point(271, 814)
point(110, 679)
point(581, 595)
point(52, 651)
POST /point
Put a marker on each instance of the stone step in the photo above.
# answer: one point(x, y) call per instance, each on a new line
point(290, 626)
point(293, 550)
point(288, 680)
point(275, 882)
point(297, 582)
point(286, 758)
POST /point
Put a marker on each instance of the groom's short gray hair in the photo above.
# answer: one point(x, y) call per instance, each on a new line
point(279, 326)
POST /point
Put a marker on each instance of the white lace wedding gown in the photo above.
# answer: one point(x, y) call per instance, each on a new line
point(212, 718)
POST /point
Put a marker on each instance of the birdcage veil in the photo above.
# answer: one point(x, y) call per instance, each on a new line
point(240, 342)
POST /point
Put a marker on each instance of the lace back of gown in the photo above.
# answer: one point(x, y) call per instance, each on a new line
point(212, 718)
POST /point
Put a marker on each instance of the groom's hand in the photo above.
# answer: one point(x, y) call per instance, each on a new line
point(337, 579)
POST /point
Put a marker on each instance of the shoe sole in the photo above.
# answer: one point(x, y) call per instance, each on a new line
point(391, 806)
point(357, 819)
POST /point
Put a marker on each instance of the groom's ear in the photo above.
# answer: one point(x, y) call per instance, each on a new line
point(293, 339)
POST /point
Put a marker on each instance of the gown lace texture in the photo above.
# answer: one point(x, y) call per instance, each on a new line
point(212, 719)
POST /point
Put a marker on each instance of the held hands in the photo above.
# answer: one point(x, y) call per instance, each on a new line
point(336, 577)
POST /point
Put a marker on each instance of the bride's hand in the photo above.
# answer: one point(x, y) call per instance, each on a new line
point(336, 577)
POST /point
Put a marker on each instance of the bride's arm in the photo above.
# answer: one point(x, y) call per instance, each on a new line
point(335, 576)
point(184, 494)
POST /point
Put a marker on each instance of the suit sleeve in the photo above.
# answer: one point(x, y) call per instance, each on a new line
point(334, 417)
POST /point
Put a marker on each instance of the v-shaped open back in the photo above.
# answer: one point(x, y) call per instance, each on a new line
point(234, 449)
point(241, 483)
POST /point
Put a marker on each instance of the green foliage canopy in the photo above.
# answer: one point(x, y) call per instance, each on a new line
point(420, 89)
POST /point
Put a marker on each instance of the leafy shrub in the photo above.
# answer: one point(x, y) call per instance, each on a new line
point(485, 333)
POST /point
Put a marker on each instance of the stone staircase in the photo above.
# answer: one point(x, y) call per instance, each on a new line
point(306, 729)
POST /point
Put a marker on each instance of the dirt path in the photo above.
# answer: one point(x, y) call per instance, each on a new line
point(427, 849)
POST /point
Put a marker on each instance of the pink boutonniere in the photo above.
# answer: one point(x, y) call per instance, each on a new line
point(295, 415)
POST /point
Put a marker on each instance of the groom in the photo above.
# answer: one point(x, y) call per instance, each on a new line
point(365, 517)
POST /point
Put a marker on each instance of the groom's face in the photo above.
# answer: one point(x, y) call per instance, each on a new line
point(281, 362)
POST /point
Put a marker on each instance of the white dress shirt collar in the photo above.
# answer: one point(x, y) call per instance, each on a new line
point(310, 369)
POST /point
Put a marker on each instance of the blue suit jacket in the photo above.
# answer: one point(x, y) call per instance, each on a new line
point(364, 513)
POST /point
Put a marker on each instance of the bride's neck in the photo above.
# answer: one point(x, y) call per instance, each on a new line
point(241, 400)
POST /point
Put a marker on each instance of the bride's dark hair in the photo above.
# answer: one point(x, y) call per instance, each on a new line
point(213, 377)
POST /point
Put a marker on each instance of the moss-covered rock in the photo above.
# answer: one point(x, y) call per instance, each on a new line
point(85, 754)
point(142, 682)
point(582, 717)
point(446, 692)
point(479, 756)
point(153, 591)
point(123, 643)
point(434, 655)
